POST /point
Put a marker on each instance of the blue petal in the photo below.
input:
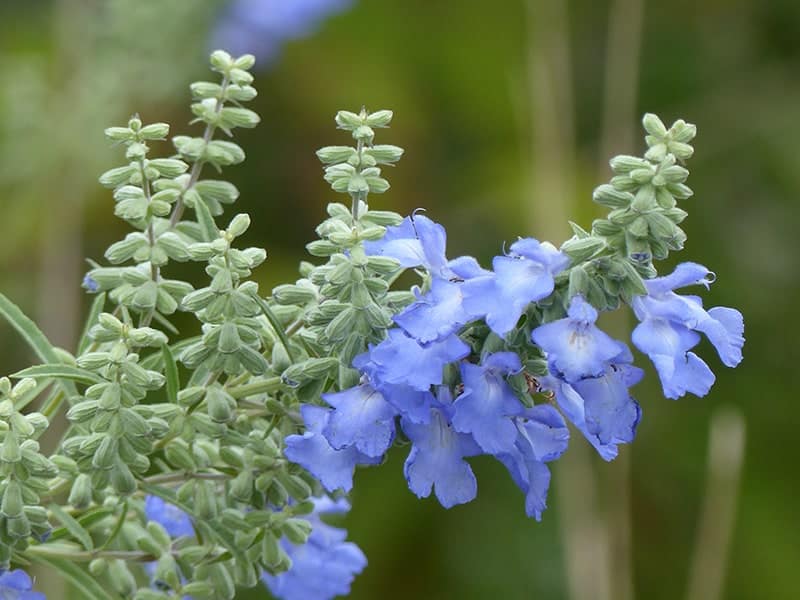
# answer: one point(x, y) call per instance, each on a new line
point(400, 359)
point(363, 418)
point(436, 314)
point(544, 431)
point(683, 374)
point(687, 273)
point(544, 253)
point(667, 344)
point(416, 242)
point(486, 404)
point(466, 267)
point(610, 414)
point(724, 328)
point(572, 405)
point(333, 468)
point(410, 403)
point(437, 461)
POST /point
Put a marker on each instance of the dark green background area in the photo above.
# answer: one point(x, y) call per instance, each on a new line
point(460, 77)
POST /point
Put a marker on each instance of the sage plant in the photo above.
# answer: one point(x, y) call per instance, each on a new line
point(202, 461)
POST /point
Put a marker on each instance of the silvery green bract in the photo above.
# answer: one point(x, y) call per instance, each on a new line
point(202, 461)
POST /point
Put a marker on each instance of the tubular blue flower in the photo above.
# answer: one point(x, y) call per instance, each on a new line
point(400, 359)
point(17, 585)
point(362, 418)
point(262, 27)
point(176, 522)
point(322, 568)
point(436, 460)
point(576, 348)
point(601, 407)
point(416, 242)
point(486, 404)
point(312, 451)
point(524, 276)
point(669, 326)
point(542, 436)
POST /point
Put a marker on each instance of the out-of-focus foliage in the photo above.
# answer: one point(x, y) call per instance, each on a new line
point(456, 75)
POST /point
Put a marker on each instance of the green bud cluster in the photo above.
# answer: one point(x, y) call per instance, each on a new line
point(119, 432)
point(25, 472)
point(611, 260)
point(343, 305)
point(228, 306)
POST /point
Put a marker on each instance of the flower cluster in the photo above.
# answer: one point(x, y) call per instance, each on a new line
point(240, 452)
point(496, 361)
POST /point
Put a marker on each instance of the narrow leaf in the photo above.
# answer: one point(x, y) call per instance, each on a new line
point(171, 373)
point(276, 325)
point(59, 372)
point(72, 526)
point(88, 587)
point(206, 222)
point(94, 312)
point(34, 337)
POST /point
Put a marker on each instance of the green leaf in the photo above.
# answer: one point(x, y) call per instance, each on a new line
point(88, 519)
point(72, 526)
point(155, 361)
point(123, 515)
point(276, 325)
point(97, 308)
point(206, 222)
point(171, 372)
point(59, 372)
point(88, 587)
point(34, 337)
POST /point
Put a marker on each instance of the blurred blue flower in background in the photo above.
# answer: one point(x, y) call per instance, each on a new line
point(262, 27)
point(172, 518)
point(323, 567)
point(17, 585)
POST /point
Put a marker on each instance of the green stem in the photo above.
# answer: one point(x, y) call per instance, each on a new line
point(181, 476)
point(276, 325)
point(71, 554)
point(197, 167)
point(265, 386)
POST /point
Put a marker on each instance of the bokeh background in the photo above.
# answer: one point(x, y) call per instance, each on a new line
point(508, 111)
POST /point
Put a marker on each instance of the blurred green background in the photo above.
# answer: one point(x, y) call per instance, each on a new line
point(508, 112)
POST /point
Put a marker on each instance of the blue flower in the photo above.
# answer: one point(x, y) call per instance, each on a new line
point(542, 436)
point(524, 276)
point(436, 460)
point(400, 359)
point(89, 284)
point(362, 418)
point(669, 329)
point(17, 585)
point(575, 346)
point(486, 404)
point(416, 242)
point(602, 407)
point(176, 522)
point(261, 27)
point(322, 568)
point(312, 451)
